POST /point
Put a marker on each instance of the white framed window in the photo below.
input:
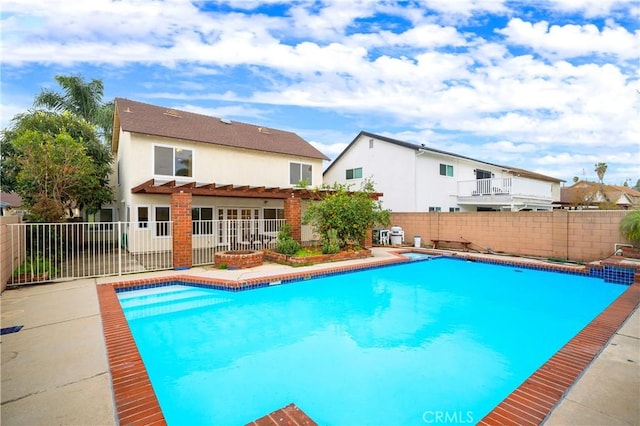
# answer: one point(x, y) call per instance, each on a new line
point(270, 213)
point(354, 173)
point(142, 217)
point(300, 172)
point(435, 209)
point(202, 220)
point(446, 170)
point(172, 161)
point(454, 209)
point(162, 215)
point(370, 143)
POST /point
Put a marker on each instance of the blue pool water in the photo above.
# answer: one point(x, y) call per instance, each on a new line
point(394, 345)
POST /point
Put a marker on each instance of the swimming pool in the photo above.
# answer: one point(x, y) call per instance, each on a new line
point(396, 343)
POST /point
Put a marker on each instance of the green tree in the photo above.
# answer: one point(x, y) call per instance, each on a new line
point(47, 127)
point(349, 213)
point(54, 174)
point(82, 99)
point(601, 169)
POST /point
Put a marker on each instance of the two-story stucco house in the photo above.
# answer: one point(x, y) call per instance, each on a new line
point(233, 170)
point(415, 178)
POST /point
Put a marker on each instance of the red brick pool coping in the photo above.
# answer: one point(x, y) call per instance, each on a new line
point(529, 404)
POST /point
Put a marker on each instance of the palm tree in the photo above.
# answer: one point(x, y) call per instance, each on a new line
point(82, 99)
point(601, 169)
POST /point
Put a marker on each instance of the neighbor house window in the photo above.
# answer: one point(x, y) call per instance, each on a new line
point(103, 216)
point(435, 209)
point(163, 224)
point(299, 172)
point(370, 143)
point(202, 220)
point(354, 173)
point(446, 170)
point(454, 209)
point(143, 216)
point(170, 161)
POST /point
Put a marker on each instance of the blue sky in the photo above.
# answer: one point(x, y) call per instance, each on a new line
point(551, 86)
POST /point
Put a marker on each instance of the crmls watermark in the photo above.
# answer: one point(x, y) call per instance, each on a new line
point(447, 417)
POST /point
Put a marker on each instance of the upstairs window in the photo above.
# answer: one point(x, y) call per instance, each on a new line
point(170, 161)
point(446, 170)
point(435, 209)
point(354, 173)
point(299, 172)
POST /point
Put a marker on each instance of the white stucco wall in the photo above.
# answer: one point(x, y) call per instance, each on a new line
point(211, 164)
point(411, 180)
point(390, 166)
point(216, 163)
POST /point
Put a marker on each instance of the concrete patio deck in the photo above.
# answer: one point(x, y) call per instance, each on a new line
point(55, 370)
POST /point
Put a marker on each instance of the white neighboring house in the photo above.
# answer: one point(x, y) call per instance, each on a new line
point(415, 178)
point(234, 170)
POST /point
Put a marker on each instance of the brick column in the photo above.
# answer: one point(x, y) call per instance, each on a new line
point(293, 216)
point(368, 239)
point(182, 230)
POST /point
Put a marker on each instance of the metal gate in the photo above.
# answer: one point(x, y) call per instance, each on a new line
point(44, 252)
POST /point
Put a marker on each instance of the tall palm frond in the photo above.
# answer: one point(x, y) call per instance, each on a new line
point(82, 99)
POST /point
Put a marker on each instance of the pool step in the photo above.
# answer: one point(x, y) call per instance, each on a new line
point(158, 296)
point(165, 300)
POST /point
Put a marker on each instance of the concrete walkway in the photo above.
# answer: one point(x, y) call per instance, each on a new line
point(608, 393)
point(54, 371)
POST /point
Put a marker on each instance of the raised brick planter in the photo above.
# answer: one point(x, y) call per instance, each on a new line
point(238, 259)
point(322, 258)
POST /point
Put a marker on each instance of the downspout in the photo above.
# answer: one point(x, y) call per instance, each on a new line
point(419, 152)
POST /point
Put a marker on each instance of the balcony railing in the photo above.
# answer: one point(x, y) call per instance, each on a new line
point(515, 186)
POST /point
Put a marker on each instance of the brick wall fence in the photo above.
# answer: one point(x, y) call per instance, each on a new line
point(566, 234)
point(6, 249)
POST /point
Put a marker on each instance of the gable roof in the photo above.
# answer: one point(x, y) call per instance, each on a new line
point(138, 117)
point(513, 170)
point(584, 192)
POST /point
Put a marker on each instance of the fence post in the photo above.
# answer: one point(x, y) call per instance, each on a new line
point(182, 230)
point(119, 242)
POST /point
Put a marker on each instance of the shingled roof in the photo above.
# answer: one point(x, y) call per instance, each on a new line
point(593, 193)
point(415, 147)
point(138, 117)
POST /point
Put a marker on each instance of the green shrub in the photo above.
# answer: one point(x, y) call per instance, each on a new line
point(36, 267)
point(349, 213)
point(630, 227)
point(331, 242)
point(286, 244)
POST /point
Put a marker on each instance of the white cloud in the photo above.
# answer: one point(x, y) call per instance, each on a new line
point(570, 40)
point(573, 89)
point(591, 8)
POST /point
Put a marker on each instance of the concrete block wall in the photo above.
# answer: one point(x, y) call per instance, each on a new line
point(6, 249)
point(565, 234)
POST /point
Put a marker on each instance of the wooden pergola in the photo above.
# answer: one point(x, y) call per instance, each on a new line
point(230, 190)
